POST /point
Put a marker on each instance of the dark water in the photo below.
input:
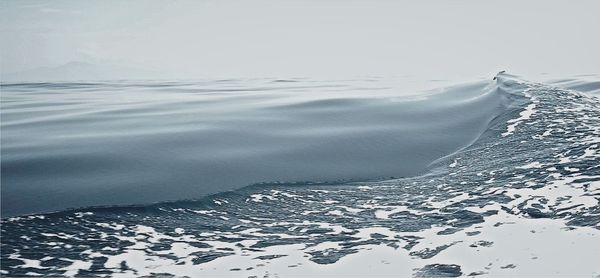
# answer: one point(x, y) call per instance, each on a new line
point(532, 165)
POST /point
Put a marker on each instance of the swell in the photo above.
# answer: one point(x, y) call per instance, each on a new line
point(538, 184)
point(94, 146)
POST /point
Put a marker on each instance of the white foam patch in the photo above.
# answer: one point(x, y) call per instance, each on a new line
point(520, 247)
point(259, 197)
point(75, 267)
point(531, 165)
point(523, 115)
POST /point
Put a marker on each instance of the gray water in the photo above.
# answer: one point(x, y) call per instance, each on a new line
point(70, 145)
point(520, 200)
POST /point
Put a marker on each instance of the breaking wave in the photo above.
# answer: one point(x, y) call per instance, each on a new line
point(500, 178)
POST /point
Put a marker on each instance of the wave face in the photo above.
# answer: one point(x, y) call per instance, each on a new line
point(78, 145)
point(515, 192)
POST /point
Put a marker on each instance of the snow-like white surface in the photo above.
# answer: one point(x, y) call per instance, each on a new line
point(523, 115)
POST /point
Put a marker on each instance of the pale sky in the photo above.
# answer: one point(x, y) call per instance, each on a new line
point(305, 38)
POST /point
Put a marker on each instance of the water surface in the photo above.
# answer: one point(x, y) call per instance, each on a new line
point(69, 145)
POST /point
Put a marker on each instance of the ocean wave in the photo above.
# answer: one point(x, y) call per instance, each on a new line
point(70, 145)
point(522, 196)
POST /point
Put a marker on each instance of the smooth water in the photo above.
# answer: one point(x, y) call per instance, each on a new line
point(502, 179)
point(69, 145)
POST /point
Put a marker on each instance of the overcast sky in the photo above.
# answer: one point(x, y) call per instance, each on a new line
point(296, 38)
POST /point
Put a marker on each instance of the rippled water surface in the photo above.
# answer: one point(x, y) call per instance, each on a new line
point(498, 177)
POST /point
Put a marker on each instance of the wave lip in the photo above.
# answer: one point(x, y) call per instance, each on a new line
point(119, 144)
